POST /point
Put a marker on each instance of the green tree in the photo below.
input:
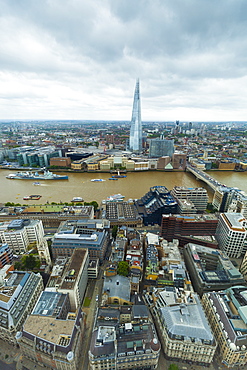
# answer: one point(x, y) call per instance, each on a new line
point(114, 231)
point(173, 367)
point(123, 268)
point(29, 262)
point(93, 203)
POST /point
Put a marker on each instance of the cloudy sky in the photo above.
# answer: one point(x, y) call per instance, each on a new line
point(79, 59)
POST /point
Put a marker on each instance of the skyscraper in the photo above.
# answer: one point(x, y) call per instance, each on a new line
point(135, 141)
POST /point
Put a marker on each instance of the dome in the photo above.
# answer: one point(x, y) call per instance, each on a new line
point(155, 345)
point(70, 356)
point(233, 347)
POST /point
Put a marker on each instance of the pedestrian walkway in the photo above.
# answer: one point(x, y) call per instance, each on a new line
point(8, 352)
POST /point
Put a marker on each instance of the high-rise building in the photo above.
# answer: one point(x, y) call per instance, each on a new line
point(160, 148)
point(135, 140)
point(231, 233)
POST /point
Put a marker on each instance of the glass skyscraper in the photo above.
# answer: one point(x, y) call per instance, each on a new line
point(135, 140)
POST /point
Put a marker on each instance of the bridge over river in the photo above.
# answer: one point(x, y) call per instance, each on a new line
point(214, 184)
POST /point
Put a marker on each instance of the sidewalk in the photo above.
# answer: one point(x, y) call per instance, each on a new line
point(8, 353)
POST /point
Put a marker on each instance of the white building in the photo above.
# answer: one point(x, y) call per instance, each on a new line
point(198, 196)
point(19, 234)
point(231, 233)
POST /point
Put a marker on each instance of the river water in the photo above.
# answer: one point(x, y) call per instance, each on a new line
point(134, 186)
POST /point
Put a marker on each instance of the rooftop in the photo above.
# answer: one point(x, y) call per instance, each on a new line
point(49, 328)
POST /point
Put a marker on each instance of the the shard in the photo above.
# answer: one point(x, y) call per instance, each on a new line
point(135, 140)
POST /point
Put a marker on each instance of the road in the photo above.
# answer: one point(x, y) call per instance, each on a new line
point(94, 288)
point(4, 366)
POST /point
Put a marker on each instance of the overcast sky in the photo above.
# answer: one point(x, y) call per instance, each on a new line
point(79, 59)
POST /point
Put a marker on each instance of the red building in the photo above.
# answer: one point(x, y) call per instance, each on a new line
point(173, 226)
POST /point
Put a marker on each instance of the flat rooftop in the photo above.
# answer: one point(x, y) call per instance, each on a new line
point(48, 303)
point(73, 268)
point(48, 328)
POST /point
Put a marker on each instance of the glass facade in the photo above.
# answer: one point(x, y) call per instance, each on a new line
point(160, 148)
point(135, 141)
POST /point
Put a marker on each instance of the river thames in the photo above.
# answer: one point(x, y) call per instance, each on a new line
point(134, 186)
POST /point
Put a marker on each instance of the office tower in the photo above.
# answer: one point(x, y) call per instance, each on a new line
point(135, 140)
point(231, 233)
point(160, 148)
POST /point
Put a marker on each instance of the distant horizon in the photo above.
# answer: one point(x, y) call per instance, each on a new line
point(112, 121)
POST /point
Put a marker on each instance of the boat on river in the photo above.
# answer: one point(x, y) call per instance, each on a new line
point(115, 198)
point(29, 175)
point(97, 180)
point(77, 199)
point(32, 197)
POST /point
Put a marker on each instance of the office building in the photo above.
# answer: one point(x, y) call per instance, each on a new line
point(121, 213)
point(210, 269)
point(124, 338)
point(18, 295)
point(198, 196)
point(179, 161)
point(156, 202)
point(20, 233)
point(182, 326)
point(222, 199)
point(60, 162)
point(73, 278)
point(226, 312)
point(6, 255)
point(160, 148)
point(38, 156)
point(231, 233)
point(135, 139)
point(52, 335)
point(90, 234)
point(176, 226)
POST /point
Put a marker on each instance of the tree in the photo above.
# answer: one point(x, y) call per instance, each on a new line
point(114, 231)
point(29, 262)
point(123, 268)
point(93, 203)
point(173, 367)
